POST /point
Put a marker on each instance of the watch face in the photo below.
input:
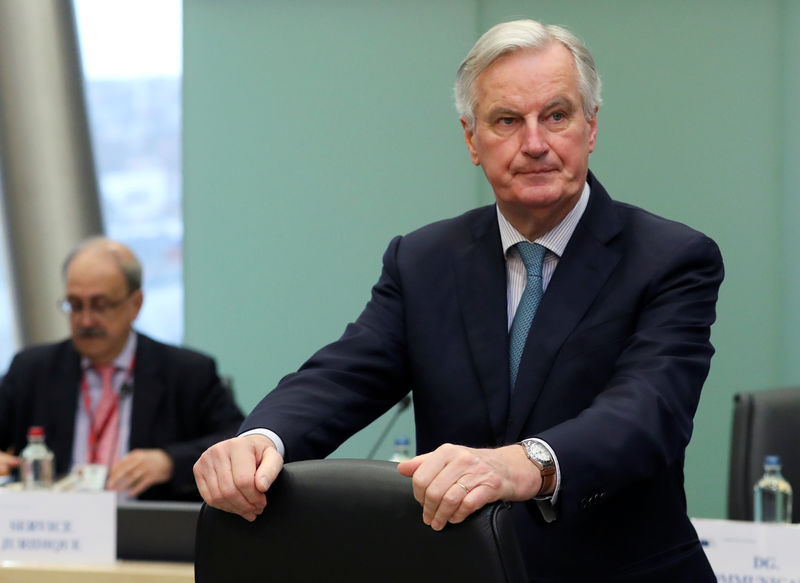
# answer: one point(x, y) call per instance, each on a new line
point(537, 451)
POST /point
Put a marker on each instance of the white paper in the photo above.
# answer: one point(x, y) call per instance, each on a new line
point(750, 552)
point(58, 527)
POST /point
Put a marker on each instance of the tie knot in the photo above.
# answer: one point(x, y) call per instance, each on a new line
point(106, 371)
point(532, 256)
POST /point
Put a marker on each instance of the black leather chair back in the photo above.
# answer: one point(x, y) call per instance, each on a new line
point(764, 423)
point(352, 521)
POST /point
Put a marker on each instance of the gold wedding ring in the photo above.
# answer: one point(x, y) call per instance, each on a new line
point(463, 486)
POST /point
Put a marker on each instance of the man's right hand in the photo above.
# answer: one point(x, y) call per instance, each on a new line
point(7, 463)
point(234, 475)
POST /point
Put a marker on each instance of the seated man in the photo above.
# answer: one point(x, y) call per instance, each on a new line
point(112, 396)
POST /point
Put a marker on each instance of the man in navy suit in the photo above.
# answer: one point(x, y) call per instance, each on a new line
point(589, 440)
point(162, 407)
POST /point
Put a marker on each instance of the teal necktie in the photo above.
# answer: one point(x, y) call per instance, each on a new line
point(532, 256)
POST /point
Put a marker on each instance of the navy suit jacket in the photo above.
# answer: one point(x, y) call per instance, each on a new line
point(179, 405)
point(610, 377)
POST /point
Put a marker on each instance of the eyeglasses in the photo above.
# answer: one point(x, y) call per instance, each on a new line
point(97, 306)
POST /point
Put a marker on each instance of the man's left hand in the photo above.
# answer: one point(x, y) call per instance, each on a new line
point(454, 481)
point(139, 470)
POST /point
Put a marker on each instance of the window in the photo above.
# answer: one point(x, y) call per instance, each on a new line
point(132, 59)
point(8, 325)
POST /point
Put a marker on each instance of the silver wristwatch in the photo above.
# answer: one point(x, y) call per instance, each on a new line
point(541, 458)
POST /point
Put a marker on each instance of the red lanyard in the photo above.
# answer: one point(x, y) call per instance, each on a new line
point(97, 427)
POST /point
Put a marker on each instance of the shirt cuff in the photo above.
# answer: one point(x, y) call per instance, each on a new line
point(272, 435)
point(552, 498)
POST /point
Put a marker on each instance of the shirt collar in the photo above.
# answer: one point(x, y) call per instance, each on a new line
point(124, 358)
point(554, 240)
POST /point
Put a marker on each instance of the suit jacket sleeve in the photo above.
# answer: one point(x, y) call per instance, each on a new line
point(641, 420)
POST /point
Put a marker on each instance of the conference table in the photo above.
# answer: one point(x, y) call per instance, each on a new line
point(119, 572)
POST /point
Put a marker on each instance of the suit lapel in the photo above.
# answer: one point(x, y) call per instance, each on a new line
point(582, 270)
point(148, 389)
point(481, 288)
point(64, 395)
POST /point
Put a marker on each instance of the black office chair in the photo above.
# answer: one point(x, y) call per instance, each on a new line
point(352, 521)
point(764, 423)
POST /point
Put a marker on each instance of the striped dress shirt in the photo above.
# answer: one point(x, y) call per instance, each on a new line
point(555, 241)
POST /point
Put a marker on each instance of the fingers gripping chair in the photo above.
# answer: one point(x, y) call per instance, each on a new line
point(352, 521)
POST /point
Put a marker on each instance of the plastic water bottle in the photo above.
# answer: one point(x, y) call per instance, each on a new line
point(401, 450)
point(773, 494)
point(37, 461)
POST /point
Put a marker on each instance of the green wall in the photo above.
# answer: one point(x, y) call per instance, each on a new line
point(314, 131)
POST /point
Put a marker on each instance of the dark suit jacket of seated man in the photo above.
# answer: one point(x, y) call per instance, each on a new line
point(611, 372)
point(178, 405)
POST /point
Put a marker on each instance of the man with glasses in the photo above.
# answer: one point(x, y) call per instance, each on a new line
point(112, 397)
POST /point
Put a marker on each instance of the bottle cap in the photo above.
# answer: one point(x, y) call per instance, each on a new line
point(35, 431)
point(401, 441)
point(772, 460)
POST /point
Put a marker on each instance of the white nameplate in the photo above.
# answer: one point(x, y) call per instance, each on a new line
point(58, 527)
point(750, 552)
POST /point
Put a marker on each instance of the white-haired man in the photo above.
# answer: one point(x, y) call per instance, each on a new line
point(556, 343)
